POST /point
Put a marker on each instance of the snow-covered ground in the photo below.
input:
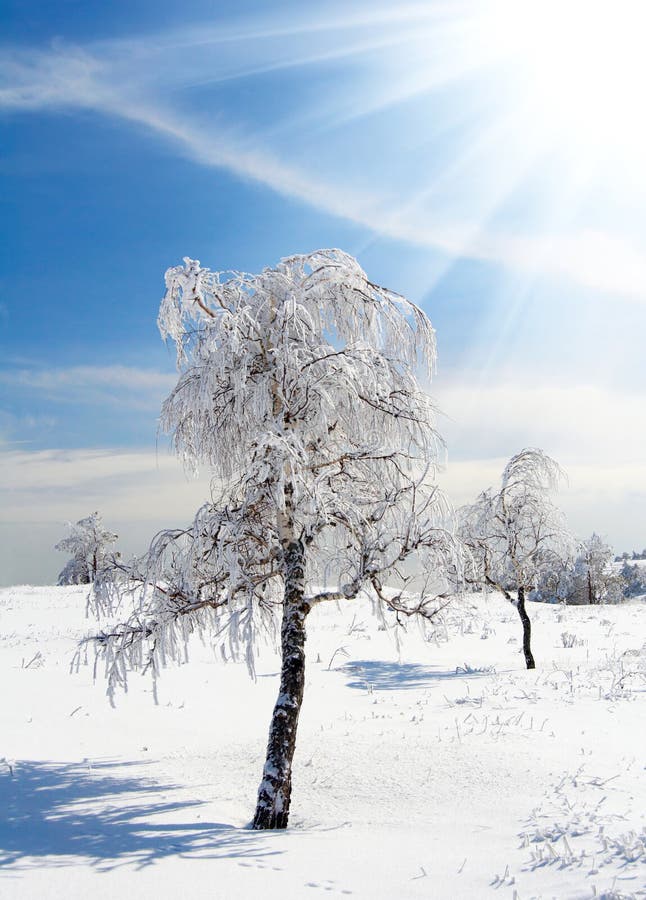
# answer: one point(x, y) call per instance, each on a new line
point(436, 769)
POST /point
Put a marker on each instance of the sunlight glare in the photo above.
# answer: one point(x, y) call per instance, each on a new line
point(581, 66)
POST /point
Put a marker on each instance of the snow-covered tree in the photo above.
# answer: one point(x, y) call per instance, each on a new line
point(515, 534)
point(88, 542)
point(298, 387)
point(594, 578)
point(587, 577)
point(555, 582)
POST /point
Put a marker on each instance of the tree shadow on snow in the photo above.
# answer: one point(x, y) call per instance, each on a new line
point(392, 676)
point(64, 811)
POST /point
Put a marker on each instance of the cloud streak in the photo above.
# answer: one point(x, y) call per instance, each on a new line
point(138, 494)
point(581, 424)
point(123, 385)
point(58, 485)
point(143, 81)
point(609, 499)
point(595, 433)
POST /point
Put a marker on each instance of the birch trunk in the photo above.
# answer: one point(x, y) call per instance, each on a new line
point(274, 794)
point(527, 628)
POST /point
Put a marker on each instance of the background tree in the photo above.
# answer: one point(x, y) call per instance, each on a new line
point(555, 583)
point(515, 534)
point(88, 543)
point(588, 577)
point(594, 579)
point(298, 388)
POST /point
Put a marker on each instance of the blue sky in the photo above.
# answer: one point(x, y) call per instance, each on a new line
point(460, 155)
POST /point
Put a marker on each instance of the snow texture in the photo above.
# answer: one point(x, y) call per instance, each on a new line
point(430, 766)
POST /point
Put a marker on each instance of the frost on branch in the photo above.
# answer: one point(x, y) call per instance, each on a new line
point(212, 578)
point(298, 388)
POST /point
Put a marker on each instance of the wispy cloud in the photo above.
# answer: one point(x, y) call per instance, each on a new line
point(27, 424)
point(582, 423)
point(138, 493)
point(58, 485)
point(590, 258)
point(129, 387)
point(596, 434)
point(144, 81)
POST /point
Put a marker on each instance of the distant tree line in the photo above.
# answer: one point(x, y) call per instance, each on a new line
point(634, 555)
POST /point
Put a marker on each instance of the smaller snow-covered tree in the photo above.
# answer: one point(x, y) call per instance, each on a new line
point(555, 583)
point(87, 542)
point(594, 579)
point(516, 534)
point(588, 577)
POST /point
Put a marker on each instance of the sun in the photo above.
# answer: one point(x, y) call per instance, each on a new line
point(578, 67)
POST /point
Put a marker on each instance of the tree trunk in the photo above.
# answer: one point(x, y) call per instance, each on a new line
point(527, 628)
point(274, 794)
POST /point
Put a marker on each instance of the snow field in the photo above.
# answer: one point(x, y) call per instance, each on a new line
point(428, 764)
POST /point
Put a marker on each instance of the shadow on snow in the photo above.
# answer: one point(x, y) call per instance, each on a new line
point(96, 811)
point(392, 676)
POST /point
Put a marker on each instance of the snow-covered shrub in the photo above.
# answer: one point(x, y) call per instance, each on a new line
point(568, 639)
